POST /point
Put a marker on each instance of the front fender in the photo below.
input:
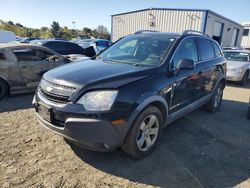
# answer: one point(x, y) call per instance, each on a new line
point(144, 100)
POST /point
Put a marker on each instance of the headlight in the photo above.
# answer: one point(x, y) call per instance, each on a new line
point(98, 100)
point(239, 70)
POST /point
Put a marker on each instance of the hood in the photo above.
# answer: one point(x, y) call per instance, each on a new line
point(97, 73)
point(237, 64)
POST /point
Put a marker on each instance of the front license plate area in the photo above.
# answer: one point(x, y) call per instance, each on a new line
point(44, 112)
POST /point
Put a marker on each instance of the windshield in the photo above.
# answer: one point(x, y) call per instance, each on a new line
point(237, 56)
point(139, 50)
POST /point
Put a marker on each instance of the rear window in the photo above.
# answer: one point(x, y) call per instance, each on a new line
point(206, 49)
point(2, 57)
point(237, 56)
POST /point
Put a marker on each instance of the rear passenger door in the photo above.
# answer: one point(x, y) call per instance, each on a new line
point(186, 86)
point(207, 66)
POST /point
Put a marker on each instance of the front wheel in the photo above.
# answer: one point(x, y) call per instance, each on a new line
point(214, 103)
point(3, 89)
point(144, 135)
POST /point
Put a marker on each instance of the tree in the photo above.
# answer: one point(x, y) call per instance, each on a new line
point(102, 32)
point(55, 29)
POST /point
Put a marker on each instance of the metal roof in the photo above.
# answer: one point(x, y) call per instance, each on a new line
point(179, 9)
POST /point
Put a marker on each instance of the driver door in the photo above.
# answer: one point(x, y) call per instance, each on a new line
point(33, 63)
point(185, 89)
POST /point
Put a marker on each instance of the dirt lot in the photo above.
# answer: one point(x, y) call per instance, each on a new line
point(199, 150)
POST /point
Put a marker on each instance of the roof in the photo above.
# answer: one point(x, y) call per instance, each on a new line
point(179, 9)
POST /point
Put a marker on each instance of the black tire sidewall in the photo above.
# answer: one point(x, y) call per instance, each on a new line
point(3, 89)
point(134, 150)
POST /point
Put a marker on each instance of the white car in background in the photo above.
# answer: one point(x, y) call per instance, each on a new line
point(7, 36)
point(238, 65)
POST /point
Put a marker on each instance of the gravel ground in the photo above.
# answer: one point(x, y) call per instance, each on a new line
point(199, 150)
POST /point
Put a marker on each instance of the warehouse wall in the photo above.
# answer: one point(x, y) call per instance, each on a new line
point(246, 39)
point(228, 28)
point(175, 21)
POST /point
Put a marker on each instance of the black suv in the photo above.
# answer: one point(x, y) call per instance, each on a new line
point(127, 94)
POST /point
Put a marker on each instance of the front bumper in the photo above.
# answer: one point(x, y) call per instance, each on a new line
point(82, 129)
point(234, 76)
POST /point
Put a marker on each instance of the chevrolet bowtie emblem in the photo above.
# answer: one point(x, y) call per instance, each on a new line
point(49, 89)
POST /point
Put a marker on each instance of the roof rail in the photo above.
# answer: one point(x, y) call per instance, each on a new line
point(144, 31)
point(194, 32)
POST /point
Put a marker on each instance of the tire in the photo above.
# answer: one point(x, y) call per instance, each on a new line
point(245, 78)
point(3, 89)
point(214, 103)
point(139, 141)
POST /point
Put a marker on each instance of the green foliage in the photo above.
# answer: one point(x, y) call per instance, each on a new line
point(56, 31)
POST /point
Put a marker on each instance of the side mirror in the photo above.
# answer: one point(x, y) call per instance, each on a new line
point(186, 64)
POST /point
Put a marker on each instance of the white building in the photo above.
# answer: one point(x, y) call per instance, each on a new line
point(224, 30)
point(246, 35)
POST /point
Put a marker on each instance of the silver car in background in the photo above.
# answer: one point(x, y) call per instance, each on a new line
point(238, 65)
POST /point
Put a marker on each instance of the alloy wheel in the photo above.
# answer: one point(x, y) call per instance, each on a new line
point(147, 133)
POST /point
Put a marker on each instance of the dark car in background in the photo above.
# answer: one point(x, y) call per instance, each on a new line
point(60, 46)
point(127, 94)
point(23, 65)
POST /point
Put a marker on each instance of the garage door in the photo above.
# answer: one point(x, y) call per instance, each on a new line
point(217, 32)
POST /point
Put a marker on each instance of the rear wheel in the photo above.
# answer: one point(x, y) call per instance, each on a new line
point(214, 103)
point(245, 78)
point(144, 135)
point(3, 89)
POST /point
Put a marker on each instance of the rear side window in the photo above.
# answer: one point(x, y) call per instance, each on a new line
point(206, 49)
point(217, 50)
point(73, 48)
point(2, 57)
point(187, 50)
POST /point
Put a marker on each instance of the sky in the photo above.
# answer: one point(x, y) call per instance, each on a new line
point(91, 13)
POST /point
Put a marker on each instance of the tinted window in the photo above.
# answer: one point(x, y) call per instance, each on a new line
point(217, 50)
point(2, 57)
point(71, 48)
point(56, 46)
point(245, 32)
point(187, 50)
point(206, 49)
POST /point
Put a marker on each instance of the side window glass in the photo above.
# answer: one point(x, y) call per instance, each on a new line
point(187, 50)
point(217, 50)
point(206, 49)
